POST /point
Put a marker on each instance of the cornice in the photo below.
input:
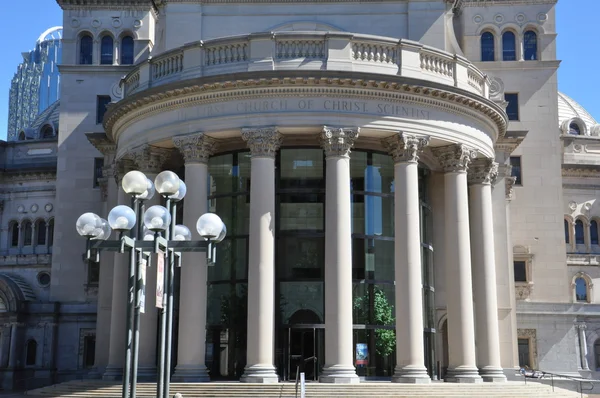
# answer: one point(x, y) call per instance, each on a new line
point(581, 170)
point(26, 176)
point(101, 142)
point(214, 89)
point(120, 69)
point(488, 3)
point(145, 5)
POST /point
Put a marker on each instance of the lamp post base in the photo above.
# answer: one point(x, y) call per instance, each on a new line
point(190, 374)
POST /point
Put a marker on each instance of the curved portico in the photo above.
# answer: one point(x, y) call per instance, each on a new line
point(269, 92)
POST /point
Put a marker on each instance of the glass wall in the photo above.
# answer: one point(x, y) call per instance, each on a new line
point(300, 260)
point(229, 197)
point(372, 188)
point(300, 182)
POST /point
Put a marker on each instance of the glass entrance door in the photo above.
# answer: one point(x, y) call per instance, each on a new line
point(304, 352)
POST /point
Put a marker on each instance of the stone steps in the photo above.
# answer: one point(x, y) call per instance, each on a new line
point(93, 389)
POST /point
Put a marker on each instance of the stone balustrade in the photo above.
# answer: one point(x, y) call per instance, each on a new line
point(331, 51)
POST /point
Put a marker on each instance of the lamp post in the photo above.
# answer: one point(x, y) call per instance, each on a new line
point(160, 235)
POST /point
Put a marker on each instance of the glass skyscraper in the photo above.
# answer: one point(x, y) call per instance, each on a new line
point(36, 84)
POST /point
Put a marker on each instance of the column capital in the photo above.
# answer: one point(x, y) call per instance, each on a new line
point(483, 171)
point(337, 141)
point(120, 167)
point(195, 148)
point(150, 159)
point(510, 183)
point(263, 142)
point(455, 158)
point(405, 148)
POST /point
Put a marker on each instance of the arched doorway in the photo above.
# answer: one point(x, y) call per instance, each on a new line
point(303, 345)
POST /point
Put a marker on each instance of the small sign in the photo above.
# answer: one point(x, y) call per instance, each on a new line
point(142, 286)
point(160, 279)
point(362, 354)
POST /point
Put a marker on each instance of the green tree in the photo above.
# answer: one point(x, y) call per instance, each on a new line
point(383, 314)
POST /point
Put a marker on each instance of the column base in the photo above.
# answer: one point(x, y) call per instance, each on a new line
point(113, 373)
point(146, 373)
point(492, 374)
point(463, 375)
point(190, 374)
point(411, 374)
point(339, 374)
point(260, 374)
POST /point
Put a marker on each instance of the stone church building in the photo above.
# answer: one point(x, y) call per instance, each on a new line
point(407, 195)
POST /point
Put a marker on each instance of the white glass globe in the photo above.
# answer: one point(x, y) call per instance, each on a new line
point(209, 226)
point(104, 230)
point(157, 218)
point(88, 225)
point(121, 218)
point(182, 233)
point(222, 234)
point(149, 193)
point(167, 183)
point(180, 192)
point(134, 183)
point(148, 235)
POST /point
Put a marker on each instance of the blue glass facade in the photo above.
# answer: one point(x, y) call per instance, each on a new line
point(36, 84)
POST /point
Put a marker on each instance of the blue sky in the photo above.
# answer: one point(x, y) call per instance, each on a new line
point(578, 46)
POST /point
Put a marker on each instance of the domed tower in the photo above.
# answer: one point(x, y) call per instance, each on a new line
point(35, 85)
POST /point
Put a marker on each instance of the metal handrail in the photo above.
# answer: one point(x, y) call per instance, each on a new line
point(572, 378)
point(313, 358)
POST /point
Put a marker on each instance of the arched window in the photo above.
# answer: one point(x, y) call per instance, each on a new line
point(31, 354)
point(488, 48)
point(86, 48)
point(509, 46)
point(127, 50)
point(47, 132)
point(579, 238)
point(51, 232)
point(594, 232)
point(22, 136)
point(14, 234)
point(40, 227)
point(530, 46)
point(581, 293)
point(567, 234)
point(27, 233)
point(574, 129)
point(106, 50)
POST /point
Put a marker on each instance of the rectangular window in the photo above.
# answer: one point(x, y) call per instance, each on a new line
point(89, 351)
point(524, 353)
point(520, 271)
point(101, 103)
point(98, 165)
point(512, 109)
point(515, 162)
point(93, 272)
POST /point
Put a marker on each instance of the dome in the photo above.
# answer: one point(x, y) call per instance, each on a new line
point(569, 109)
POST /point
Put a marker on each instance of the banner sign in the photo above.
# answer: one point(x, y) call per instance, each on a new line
point(362, 354)
point(142, 269)
point(160, 279)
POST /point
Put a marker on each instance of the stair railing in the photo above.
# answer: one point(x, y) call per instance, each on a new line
point(540, 374)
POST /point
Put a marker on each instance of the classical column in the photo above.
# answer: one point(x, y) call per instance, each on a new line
point(581, 327)
point(455, 160)
point(191, 367)
point(263, 144)
point(339, 364)
point(117, 345)
point(410, 356)
point(481, 174)
point(150, 161)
